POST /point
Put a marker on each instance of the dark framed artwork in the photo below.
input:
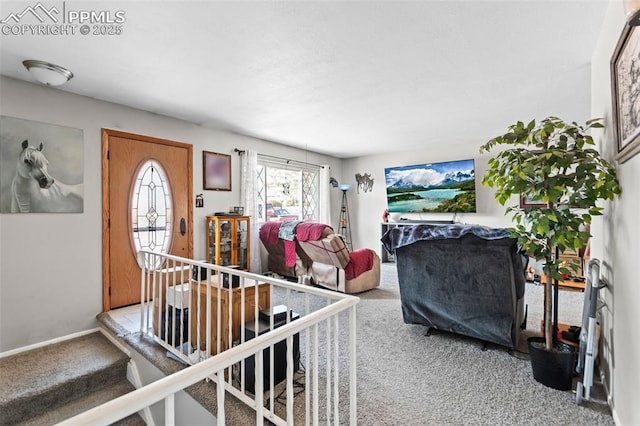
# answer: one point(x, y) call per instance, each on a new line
point(529, 202)
point(216, 171)
point(625, 91)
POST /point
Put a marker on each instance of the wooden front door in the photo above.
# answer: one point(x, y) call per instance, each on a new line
point(136, 211)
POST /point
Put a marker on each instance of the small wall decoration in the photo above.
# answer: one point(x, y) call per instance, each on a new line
point(625, 81)
point(216, 171)
point(286, 187)
point(41, 167)
point(199, 201)
point(364, 182)
point(528, 202)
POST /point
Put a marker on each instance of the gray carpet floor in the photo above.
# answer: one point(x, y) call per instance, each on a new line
point(407, 378)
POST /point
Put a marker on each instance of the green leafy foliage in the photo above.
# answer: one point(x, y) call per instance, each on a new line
point(555, 162)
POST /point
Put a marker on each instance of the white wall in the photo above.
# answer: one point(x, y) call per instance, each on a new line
point(187, 409)
point(366, 208)
point(617, 243)
point(51, 264)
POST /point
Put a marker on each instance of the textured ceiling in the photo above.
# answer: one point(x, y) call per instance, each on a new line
point(346, 78)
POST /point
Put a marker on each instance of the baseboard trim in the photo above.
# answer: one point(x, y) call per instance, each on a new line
point(47, 342)
point(607, 391)
point(616, 420)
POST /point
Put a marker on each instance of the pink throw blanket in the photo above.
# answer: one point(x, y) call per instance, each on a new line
point(289, 253)
point(269, 232)
point(359, 261)
point(309, 231)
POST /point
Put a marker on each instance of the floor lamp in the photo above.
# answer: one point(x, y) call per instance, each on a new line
point(344, 223)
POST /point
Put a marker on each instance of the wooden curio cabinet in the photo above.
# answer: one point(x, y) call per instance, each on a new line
point(228, 241)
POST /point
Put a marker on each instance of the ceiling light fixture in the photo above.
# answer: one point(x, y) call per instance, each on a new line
point(632, 9)
point(47, 73)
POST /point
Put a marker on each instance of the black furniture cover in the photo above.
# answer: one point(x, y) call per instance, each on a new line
point(465, 279)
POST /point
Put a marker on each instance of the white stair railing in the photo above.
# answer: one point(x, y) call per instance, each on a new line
point(205, 324)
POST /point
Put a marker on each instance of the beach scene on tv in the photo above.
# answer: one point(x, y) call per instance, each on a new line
point(447, 187)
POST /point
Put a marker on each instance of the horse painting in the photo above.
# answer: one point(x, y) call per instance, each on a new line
point(364, 182)
point(34, 190)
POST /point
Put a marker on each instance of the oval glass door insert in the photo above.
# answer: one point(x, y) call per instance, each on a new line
point(151, 210)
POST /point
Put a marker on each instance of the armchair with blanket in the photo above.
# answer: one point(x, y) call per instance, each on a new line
point(304, 248)
point(284, 257)
point(336, 268)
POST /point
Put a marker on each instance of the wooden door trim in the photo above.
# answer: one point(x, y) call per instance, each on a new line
point(106, 203)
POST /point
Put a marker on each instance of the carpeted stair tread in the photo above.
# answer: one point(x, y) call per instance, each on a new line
point(45, 378)
point(86, 402)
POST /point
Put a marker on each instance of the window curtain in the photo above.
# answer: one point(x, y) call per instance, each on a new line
point(324, 196)
point(249, 200)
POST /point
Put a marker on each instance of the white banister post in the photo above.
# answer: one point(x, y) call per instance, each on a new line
point(329, 360)
point(170, 410)
point(171, 278)
point(218, 313)
point(243, 327)
point(198, 309)
point(143, 273)
point(336, 373)
point(307, 363)
point(157, 315)
point(220, 385)
point(352, 367)
point(259, 387)
point(164, 280)
point(315, 374)
point(190, 286)
point(230, 324)
point(289, 379)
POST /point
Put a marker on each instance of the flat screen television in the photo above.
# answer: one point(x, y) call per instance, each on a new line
point(447, 187)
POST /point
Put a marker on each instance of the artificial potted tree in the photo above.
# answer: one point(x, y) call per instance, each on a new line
point(556, 164)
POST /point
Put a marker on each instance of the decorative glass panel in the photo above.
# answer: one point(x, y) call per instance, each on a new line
point(286, 191)
point(241, 243)
point(262, 193)
point(226, 243)
point(151, 210)
point(309, 195)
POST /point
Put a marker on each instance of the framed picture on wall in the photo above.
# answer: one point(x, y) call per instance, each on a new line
point(41, 167)
point(216, 171)
point(625, 90)
point(529, 202)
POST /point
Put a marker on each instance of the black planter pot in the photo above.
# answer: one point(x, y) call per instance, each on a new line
point(552, 368)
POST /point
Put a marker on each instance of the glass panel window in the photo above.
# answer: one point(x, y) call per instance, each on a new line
point(151, 209)
point(261, 189)
point(225, 243)
point(286, 191)
point(310, 195)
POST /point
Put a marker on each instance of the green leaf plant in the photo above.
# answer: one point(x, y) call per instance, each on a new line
point(556, 164)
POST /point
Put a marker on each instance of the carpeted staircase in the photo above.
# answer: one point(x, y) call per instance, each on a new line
point(49, 384)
